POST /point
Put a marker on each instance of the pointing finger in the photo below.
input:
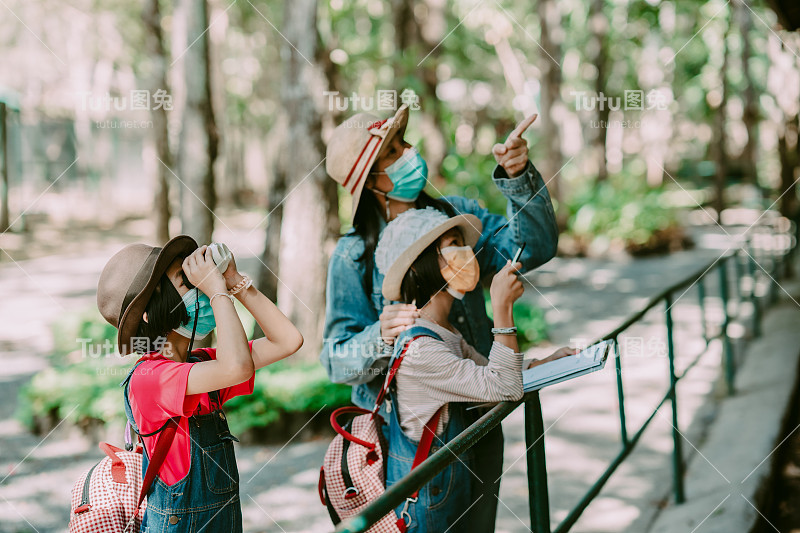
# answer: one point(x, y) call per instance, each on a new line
point(522, 126)
point(515, 142)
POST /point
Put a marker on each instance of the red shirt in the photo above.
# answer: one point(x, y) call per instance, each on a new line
point(158, 392)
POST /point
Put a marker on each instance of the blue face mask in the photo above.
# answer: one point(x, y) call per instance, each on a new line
point(409, 174)
point(205, 316)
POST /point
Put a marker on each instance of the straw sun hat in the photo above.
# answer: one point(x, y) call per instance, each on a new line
point(128, 281)
point(356, 144)
point(405, 237)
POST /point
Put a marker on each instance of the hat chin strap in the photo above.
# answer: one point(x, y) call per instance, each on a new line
point(194, 327)
point(385, 199)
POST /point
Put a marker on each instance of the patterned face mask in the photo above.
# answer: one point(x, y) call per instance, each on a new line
point(462, 271)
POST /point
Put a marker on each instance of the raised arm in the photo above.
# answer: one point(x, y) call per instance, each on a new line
point(233, 364)
point(529, 219)
point(281, 337)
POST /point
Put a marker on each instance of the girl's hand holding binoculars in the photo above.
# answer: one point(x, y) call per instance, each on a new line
point(232, 275)
point(201, 271)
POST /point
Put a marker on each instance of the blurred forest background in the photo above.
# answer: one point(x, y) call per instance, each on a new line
point(239, 110)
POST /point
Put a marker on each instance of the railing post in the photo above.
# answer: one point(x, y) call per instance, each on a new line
point(727, 349)
point(737, 270)
point(677, 454)
point(775, 269)
point(538, 499)
point(623, 426)
point(701, 297)
point(751, 264)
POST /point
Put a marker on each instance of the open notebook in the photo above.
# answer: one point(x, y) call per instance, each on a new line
point(589, 360)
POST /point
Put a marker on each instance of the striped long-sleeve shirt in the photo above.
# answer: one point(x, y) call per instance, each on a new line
point(434, 373)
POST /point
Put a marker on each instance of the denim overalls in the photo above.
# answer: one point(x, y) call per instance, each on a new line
point(207, 498)
point(445, 498)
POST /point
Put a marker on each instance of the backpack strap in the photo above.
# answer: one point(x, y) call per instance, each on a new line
point(425, 442)
point(429, 431)
point(159, 454)
point(400, 346)
point(166, 437)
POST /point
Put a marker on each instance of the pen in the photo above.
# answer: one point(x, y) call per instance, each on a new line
point(519, 253)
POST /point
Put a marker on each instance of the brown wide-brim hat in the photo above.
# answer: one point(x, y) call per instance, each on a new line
point(128, 280)
point(407, 236)
point(356, 144)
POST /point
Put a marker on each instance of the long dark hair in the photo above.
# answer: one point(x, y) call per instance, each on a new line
point(366, 224)
point(165, 311)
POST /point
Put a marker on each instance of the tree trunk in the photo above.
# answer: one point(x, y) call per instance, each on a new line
point(310, 220)
point(718, 149)
point(789, 155)
point(431, 31)
point(414, 38)
point(405, 29)
point(598, 22)
point(157, 80)
point(198, 139)
point(550, 20)
point(4, 216)
point(750, 115)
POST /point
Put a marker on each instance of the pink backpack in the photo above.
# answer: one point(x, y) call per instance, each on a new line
point(354, 469)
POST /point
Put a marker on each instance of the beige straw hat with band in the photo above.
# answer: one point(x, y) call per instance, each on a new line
point(128, 281)
point(406, 237)
point(356, 144)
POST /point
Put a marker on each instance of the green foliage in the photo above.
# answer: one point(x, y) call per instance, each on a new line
point(87, 324)
point(285, 388)
point(78, 393)
point(89, 389)
point(623, 207)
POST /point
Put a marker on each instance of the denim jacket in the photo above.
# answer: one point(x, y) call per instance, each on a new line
point(352, 350)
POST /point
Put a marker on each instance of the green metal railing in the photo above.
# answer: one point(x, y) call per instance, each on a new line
point(539, 505)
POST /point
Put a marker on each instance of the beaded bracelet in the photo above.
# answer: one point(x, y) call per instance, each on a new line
point(244, 284)
point(211, 301)
point(505, 331)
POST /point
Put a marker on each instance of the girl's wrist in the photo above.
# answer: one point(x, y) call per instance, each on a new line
point(233, 280)
point(213, 288)
point(503, 317)
point(241, 295)
point(239, 290)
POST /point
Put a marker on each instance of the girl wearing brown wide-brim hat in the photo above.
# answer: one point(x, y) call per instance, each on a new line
point(160, 299)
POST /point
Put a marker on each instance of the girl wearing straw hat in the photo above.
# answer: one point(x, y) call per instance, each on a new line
point(385, 177)
point(427, 261)
point(160, 299)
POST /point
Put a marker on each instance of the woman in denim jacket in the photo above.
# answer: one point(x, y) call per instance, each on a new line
point(385, 176)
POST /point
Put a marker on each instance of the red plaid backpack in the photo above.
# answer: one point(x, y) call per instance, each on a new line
point(354, 469)
point(108, 497)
